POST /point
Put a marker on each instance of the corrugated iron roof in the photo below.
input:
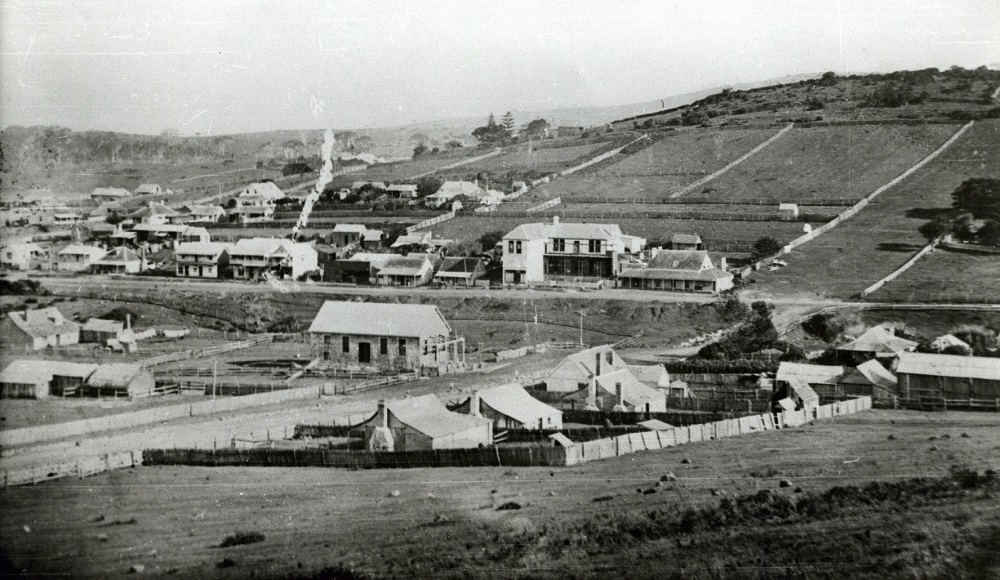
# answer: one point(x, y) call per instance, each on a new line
point(116, 375)
point(429, 416)
point(514, 401)
point(789, 371)
point(878, 340)
point(380, 319)
point(99, 325)
point(949, 365)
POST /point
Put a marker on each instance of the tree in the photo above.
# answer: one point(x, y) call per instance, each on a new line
point(419, 150)
point(453, 144)
point(490, 239)
point(491, 133)
point(933, 230)
point(463, 248)
point(765, 247)
point(114, 218)
point(537, 127)
point(989, 234)
point(428, 185)
point(692, 117)
point(508, 123)
point(979, 195)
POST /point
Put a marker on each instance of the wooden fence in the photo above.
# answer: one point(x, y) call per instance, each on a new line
point(430, 222)
point(79, 468)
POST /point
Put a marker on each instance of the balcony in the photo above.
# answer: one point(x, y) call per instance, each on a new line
point(571, 249)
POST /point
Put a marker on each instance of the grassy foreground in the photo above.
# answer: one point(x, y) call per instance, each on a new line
point(881, 494)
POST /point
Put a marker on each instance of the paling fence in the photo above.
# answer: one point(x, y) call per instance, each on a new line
point(78, 468)
point(548, 456)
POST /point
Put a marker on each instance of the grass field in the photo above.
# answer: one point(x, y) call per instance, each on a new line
point(404, 171)
point(540, 161)
point(828, 162)
point(946, 276)
point(654, 230)
point(862, 250)
point(585, 521)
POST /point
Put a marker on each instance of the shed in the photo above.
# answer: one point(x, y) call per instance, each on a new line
point(511, 407)
point(423, 423)
point(38, 329)
point(460, 271)
point(869, 379)
point(686, 242)
point(25, 379)
point(99, 331)
point(948, 376)
point(788, 211)
point(119, 380)
point(561, 440)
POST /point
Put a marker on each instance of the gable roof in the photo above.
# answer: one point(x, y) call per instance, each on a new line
point(878, 340)
point(42, 323)
point(648, 373)
point(634, 392)
point(380, 319)
point(119, 255)
point(100, 325)
point(583, 363)
point(458, 267)
point(871, 373)
point(429, 416)
point(680, 259)
point(685, 239)
point(578, 231)
point(147, 188)
point(265, 189)
point(260, 246)
point(153, 209)
point(38, 371)
point(413, 239)
point(949, 365)
point(115, 375)
point(514, 401)
point(110, 192)
point(789, 372)
point(350, 228)
point(203, 210)
point(451, 189)
point(944, 341)
point(374, 260)
point(404, 266)
point(804, 391)
point(81, 250)
point(202, 248)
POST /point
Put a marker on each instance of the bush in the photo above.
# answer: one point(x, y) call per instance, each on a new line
point(242, 538)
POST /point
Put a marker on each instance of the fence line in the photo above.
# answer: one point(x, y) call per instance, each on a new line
point(493, 153)
point(79, 468)
point(895, 274)
point(741, 159)
point(430, 222)
point(544, 206)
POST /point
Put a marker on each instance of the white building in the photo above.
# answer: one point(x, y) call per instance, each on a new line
point(78, 257)
point(254, 257)
point(545, 251)
point(452, 189)
point(202, 259)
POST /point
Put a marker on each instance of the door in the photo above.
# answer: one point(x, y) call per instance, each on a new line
point(364, 352)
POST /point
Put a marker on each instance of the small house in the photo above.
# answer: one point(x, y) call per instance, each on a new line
point(356, 234)
point(99, 330)
point(120, 260)
point(402, 190)
point(412, 270)
point(449, 190)
point(78, 257)
point(361, 268)
point(25, 379)
point(676, 270)
point(109, 194)
point(153, 214)
point(421, 424)
point(202, 259)
point(413, 242)
point(149, 189)
point(511, 407)
point(876, 342)
point(37, 329)
point(788, 211)
point(460, 271)
point(119, 380)
point(686, 242)
point(22, 255)
point(809, 374)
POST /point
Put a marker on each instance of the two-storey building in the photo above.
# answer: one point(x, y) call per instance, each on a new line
point(553, 251)
point(202, 259)
point(256, 257)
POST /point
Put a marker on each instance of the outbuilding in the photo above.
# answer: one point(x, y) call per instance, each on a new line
point(424, 423)
point(119, 380)
point(511, 407)
point(949, 376)
point(37, 329)
point(99, 330)
point(869, 379)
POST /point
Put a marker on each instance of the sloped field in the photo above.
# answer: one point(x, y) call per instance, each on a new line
point(539, 162)
point(845, 162)
point(884, 235)
point(947, 276)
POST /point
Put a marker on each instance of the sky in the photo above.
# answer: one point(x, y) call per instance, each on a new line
point(216, 67)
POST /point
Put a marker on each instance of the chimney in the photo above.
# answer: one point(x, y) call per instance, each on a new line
point(722, 263)
point(474, 405)
point(620, 396)
point(597, 357)
point(128, 321)
point(555, 220)
point(383, 414)
point(591, 404)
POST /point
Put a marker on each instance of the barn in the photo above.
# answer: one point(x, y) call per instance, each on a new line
point(423, 423)
point(511, 407)
point(119, 380)
point(949, 376)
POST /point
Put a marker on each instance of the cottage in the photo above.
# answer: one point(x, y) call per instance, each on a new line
point(159, 233)
point(403, 190)
point(564, 251)
point(22, 255)
point(37, 329)
point(421, 424)
point(511, 407)
point(356, 234)
point(597, 378)
point(413, 242)
point(460, 271)
point(78, 257)
point(118, 261)
point(253, 258)
point(200, 214)
point(252, 208)
point(100, 331)
point(449, 190)
point(119, 380)
point(149, 189)
point(686, 242)
point(385, 336)
point(676, 270)
point(577, 370)
point(948, 376)
point(361, 268)
point(788, 211)
point(266, 189)
point(869, 379)
point(202, 259)
point(153, 214)
point(876, 342)
point(412, 270)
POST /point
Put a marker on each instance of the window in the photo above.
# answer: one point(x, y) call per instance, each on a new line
point(517, 247)
point(609, 356)
point(327, 339)
point(346, 344)
point(595, 246)
point(383, 346)
point(326, 355)
point(510, 247)
point(558, 245)
point(402, 347)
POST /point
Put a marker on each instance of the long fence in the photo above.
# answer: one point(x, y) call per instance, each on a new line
point(602, 157)
point(524, 456)
point(493, 153)
point(544, 205)
point(896, 273)
point(741, 159)
point(430, 222)
point(205, 352)
point(57, 431)
point(79, 468)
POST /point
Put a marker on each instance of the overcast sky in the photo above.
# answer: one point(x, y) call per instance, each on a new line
point(209, 66)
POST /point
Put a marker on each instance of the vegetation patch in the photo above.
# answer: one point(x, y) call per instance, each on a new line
point(242, 538)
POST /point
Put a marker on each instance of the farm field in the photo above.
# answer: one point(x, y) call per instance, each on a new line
point(656, 231)
point(402, 171)
point(585, 520)
point(621, 211)
point(540, 161)
point(872, 244)
point(946, 276)
point(845, 162)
